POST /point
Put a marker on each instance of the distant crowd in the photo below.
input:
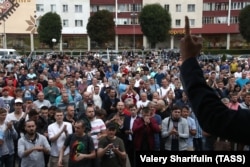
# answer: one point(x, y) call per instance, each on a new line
point(63, 111)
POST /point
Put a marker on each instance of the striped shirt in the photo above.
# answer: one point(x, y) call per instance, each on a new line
point(97, 125)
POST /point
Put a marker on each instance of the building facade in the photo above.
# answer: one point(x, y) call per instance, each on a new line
point(215, 20)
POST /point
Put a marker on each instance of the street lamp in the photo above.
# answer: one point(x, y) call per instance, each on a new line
point(4, 45)
point(53, 42)
point(133, 15)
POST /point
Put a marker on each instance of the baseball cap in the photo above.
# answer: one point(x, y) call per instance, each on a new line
point(18, 100)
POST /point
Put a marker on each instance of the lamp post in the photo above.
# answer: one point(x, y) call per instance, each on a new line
point(4, 43)
point(133, 15)
point(53, 43)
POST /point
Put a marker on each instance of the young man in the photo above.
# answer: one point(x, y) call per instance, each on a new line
point(57, 133)
point(32, 146)
point(81, 147)
point(111, 149)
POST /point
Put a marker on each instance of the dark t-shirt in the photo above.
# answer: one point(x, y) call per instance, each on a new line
point(110, 158)
point(83, 144)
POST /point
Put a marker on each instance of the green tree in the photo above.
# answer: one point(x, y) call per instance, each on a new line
point(155, 23)
point(101, 27)
point(244, 26)
point(50, 27)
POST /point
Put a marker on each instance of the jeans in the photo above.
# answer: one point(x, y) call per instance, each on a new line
point(7, 161)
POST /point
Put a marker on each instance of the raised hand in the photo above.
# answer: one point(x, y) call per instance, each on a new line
point(190, 46)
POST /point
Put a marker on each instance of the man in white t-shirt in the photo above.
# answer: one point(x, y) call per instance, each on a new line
point(143, 102)
point(57, 133)
point(163, 90)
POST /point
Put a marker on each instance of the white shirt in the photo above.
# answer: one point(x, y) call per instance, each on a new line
point(56, 146)
point(40, 104)
point(97, 125)
point(12, 117)
point(90, 88)
point(162, 91)
point(137, 83)
point(237, 74)
point(97, 100)
point(141, 103)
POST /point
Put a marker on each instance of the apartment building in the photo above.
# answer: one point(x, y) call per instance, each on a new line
point(215, 20)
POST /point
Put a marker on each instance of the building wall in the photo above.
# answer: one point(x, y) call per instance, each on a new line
point(16, 22)
point(71, 15)
point(196, 14)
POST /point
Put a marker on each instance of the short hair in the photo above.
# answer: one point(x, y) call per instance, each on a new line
point(29, 120)
point(54, 108)
point(33, 112)
point(185, 107)
point(100, 112)
point(128, 101)
point(81, 122)
point(150, 103)
point(175, 107)
point(58, 110)
point(3, 110)
point(69, 105)
point(132, 106)
point(145, 110)
point(225, 100)
point(44, 108)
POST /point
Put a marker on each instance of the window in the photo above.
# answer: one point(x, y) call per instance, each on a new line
point(166, 7)
point(65, 23)
point(208, 20)
point(39, 7)
point(178, 8)
point(53, 8)
point(78, 8)
point(65, 8)
point(123, 7)
point(178, 23)
point(234, 20)
point(78, 23)
point(192, 22)
point(191, 8)
point(94, 8)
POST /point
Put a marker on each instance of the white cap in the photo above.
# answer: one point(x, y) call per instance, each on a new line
point(18, 100)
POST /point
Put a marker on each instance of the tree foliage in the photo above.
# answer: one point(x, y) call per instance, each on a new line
point(50, 27)
point(244, 25)
point(101, 27)
point(155, 23)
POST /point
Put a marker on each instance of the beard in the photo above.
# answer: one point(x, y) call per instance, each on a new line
point(31, 133)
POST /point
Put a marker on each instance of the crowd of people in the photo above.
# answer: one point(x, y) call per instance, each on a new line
point(66, 111)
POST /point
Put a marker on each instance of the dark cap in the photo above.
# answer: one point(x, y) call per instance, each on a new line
point(28, 99)
point(111, 126)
